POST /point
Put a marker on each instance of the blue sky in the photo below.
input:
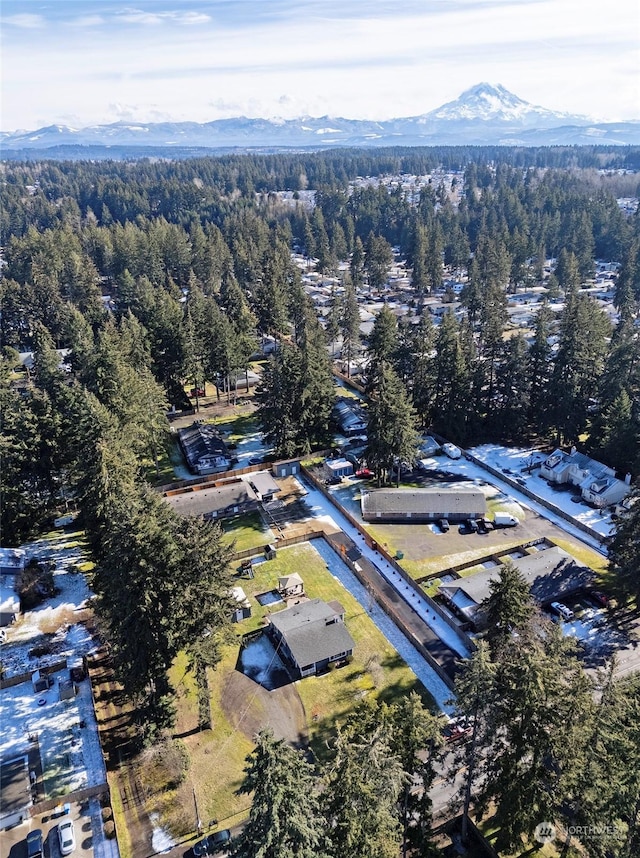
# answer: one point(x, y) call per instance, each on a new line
point(80, 62)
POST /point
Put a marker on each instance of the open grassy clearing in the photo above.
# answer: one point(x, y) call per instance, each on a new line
point(217, 756)
point(247, 531)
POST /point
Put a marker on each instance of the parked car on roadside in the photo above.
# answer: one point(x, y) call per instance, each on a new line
point(599, 598)
point(212, 843)
point(443, 524)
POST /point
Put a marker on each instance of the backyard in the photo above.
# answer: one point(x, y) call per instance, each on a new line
point(301, 712)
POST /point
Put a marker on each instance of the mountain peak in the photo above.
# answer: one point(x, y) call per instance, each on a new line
point(492, 102)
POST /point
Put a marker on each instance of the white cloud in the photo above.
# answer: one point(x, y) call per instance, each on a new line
point(139, 16)
point(25, 21)
point(87, 21)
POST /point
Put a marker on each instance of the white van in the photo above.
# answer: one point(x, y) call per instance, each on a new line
point(562, 610)
point(451, 451)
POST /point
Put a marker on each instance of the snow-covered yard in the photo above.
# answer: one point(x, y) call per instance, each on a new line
point(66, 730)
point(52, 631)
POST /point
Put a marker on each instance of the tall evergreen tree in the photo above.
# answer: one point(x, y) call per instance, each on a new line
point(285, 819)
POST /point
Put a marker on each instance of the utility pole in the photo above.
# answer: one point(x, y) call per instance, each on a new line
point(198, 820)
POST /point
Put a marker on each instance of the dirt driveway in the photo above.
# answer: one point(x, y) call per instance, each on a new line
point(251, 708)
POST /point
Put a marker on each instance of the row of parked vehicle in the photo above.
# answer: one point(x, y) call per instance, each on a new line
point(480, 525)
point(66, 840)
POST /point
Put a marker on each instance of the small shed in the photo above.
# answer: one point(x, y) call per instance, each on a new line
point(40, 681)
point(67, 689)
point(290, 586)
point(339, 467)
point(270, 552)
point(243, 605)
point(288, 468)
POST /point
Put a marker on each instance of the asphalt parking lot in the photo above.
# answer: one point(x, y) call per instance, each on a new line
point(13, 841)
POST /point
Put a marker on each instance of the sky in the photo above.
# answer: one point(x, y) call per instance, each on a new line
point(83, 62)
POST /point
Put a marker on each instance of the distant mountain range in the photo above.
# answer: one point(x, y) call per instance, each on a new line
point(482, 115)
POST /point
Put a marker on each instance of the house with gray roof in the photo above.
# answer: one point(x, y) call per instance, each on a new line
point(204, 449)
point(552, 574)
point(597, 482)
point(350, 418)
point(422, 505)
point(214, 502)
point(311, 635)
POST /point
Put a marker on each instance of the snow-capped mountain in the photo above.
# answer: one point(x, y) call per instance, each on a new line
point(482, 115)
point(486, 102)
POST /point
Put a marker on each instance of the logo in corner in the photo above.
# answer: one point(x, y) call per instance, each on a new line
point(545, 832)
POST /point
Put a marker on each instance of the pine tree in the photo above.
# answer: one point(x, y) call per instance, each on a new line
point(391, 420)
point(349, 326)
point(363, 784)
point(508, 607)
point(285, 819)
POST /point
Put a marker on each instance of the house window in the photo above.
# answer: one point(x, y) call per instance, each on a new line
point(337, 656)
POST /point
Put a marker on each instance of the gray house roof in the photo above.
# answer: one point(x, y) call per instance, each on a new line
point(313, 632)
point(214, 499)
point(203, 446)
point(432, 502)
point(551, 574)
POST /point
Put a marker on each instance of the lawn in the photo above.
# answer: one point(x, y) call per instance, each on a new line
point(247, 531)
point(217, 756)
point(237, 425)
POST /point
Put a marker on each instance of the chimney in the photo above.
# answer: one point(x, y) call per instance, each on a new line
point(573, 451)
point(627, 479)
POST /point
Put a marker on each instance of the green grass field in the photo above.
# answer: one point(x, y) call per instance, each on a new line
point(217, 756)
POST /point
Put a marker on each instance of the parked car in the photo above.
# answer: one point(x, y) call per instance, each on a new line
point(212, 843)
point(599, 598)
point(562, 611)
point(451, 451)
point(66, 837)
point(34, 844)
point(443, 524)
point(363, 473)
point(471, 525)
point(255, 460)
point(333, 481)
point(220, 839)
point(483, 527)
point(456, 730)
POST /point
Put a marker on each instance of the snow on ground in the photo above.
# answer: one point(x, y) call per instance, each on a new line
point(250, 446)
point(161, 840)
point(103, 847)
point(52, 627)
point(70, 753)
point(508, 459)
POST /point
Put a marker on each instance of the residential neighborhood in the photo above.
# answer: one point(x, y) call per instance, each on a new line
point(332, 489)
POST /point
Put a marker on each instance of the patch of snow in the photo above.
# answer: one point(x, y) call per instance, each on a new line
point(161, 840)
